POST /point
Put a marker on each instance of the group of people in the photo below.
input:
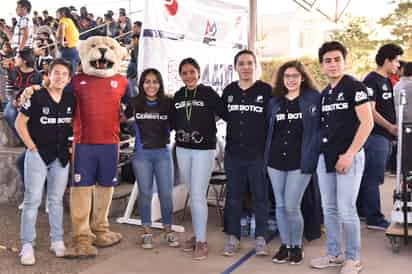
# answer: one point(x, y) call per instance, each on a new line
point(289, 133)
point(47, 38)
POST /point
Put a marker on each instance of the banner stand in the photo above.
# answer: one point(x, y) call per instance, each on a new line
point(179, 194)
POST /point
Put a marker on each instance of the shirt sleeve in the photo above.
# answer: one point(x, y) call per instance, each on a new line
point(129, 108)
point(360, 95)
point(371, 87)
point(125, 98)
point(219, 107)
point(37, 79)
point(28, 106)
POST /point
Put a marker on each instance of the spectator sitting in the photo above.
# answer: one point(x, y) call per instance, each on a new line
point(101, 30)
point(46, 16)
point(85, 24)
point(111, 27)
point(45, 46)
point(41, 58)
point(137, 27)
point(6, 59)
point(22, 76)
point(3, 33)
point(45, 62)
point(134, 46)
point(124, 26)
point(6, 52)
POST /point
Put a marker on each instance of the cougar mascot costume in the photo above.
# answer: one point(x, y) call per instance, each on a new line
point(99, 91)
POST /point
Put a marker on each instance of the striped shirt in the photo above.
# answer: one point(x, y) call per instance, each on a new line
point(22, 22)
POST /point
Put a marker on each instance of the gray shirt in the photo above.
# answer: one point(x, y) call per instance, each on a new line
point(405, 83)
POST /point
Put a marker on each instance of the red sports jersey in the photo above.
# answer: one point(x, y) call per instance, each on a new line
point(97, 117)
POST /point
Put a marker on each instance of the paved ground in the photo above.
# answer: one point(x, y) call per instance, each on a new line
point(128, 258)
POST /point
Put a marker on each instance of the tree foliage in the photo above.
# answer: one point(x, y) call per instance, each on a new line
point(400, 24)
point(362, 38)
point(359, 38)
point(270, 68)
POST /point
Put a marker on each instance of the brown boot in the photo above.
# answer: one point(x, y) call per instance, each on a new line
point(81, 248)
point(201, 251)
point(189, 245)
point(100, 218)
point(80, 207)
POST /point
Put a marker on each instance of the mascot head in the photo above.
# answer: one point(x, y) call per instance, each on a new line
point(101, 56)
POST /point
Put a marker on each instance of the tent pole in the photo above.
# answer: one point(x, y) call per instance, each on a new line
point(252, 24)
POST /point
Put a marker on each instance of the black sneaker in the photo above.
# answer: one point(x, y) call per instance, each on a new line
point(296, 255)
point(282, 256)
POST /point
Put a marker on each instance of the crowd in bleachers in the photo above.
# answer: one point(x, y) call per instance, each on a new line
point(288, 135)
point(39, 33)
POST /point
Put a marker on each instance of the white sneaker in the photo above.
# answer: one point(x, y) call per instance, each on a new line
point(58, 248)
point(327, 261)
point(21, 205)
point(27, 255)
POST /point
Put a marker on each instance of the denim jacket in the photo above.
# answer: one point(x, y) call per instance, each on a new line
point(309, 103)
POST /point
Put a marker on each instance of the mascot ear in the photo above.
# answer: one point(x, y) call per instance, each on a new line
point(81, 46)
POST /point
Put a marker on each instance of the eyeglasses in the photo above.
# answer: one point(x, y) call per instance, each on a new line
point(291, 76)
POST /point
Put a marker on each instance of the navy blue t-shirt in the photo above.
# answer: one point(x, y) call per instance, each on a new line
point(339, 121)
point(285, 151)
point(246, 119)
point(50, 124)
point(380, 90)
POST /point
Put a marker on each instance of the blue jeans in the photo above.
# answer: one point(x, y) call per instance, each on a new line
point(20, 165)
point(288, 188)
point(10, 115)
point(71, 55)
point(195, 169)
point(338, 194)
point(242, 174)
point(377, 153)
point(158, 163)
point(35, 173)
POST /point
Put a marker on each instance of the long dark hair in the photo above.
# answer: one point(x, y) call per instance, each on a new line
point(141, 97)
point(27, 55)
point(307, 82)
point(65, 12)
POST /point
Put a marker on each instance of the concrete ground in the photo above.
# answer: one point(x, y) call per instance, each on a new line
point(377, 256)
point(128, 257)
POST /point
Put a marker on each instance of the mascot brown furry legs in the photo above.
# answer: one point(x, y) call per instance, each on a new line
point(80, 209)
point(100, 221)
point(86, 234)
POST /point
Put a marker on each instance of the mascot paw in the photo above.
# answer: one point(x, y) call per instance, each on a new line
point(80, 251)
point(107, 239)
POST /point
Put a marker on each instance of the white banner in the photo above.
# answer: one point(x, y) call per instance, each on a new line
point(211, 31)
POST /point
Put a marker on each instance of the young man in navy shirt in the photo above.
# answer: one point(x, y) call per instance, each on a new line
point(44, 124)
point(246, 103)
point(379, 144)
point(346, 122)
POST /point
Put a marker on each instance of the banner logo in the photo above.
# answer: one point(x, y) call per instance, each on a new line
point(210, 32)
point(172, 7)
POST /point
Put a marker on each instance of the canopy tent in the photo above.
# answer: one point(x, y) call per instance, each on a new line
point(332, 10)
